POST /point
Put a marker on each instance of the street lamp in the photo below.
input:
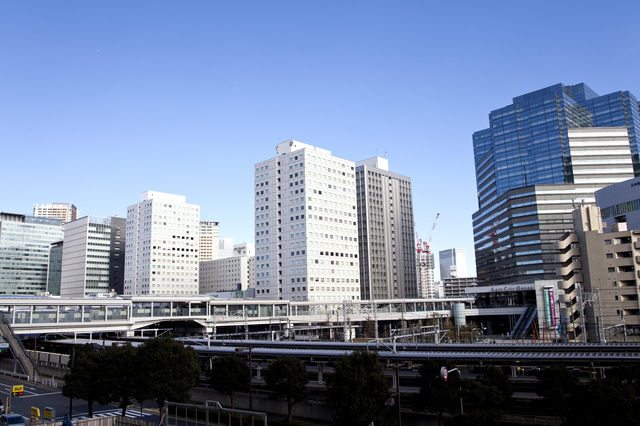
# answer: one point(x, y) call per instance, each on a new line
point(444, 375)
point(250, 375)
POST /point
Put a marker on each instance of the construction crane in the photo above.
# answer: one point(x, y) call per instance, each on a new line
point(423, 246)
point(426, 245)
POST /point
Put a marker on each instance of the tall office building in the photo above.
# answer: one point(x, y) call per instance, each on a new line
point(385, 230)
point(425, 266)
point(209, 240)
point(54, 270)
point(64, 211)
point(162, 245)
point(541, 156)
point(25, 243)
point(306, 232)
point(93, 256)
point(453, 263)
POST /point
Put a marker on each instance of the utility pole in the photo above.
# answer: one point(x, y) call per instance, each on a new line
point(73, 357)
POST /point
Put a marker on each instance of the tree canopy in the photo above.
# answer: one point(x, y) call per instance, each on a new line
point(118, 375)
point(288, 378)
point(167, 370)
point(228, 375)
point(81, 382)
point(437, 395)
point(358, 391)
point(556, 385)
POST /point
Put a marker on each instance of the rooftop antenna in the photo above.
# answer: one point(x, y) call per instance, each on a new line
point(385, 153)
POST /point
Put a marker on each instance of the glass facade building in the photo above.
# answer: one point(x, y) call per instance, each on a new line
point(25, 243)
point(532, 167)
point(54, 274)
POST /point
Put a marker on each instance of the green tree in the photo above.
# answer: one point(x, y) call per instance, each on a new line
point(358, 391)
point(81, 382)
point(492, 376)
point(486, 400)
point(228, 375)
point(167, 370)
point(437, 395)
point(369, 328)
point(288, 378)
point(556, 385)
point(118, 375)
point(610, 401)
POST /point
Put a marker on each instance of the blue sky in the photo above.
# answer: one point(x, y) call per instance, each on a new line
point(100, 101)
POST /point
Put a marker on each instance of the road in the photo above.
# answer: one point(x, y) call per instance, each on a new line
point(40, 397)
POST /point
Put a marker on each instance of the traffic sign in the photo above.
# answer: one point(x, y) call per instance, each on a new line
point(17, 390)
point(50, 414)
point(444, 374)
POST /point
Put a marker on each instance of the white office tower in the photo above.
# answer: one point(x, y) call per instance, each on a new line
point(425, 273)
point(162, 245)
point(209, 240)
point(225, 248)
point(453, 263)
point(64, 211)
point(229, 274)
point(306, 233)
point(93, 256)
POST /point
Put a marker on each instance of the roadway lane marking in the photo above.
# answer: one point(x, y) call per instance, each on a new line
point(40, 394)
point(111, 413)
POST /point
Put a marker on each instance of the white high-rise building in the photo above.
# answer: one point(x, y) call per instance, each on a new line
point(65, 211)
point(425, 275)
point(225, 248)
point(453, 263)
point(162, 245)
point(209, 240)
point(306, 232)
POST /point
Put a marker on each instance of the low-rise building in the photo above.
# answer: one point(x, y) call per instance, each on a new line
point(455, 287)
point(600, 267)
point(233, 273)
point(620, 203)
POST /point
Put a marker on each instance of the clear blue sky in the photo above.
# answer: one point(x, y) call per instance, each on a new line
point(100, 101)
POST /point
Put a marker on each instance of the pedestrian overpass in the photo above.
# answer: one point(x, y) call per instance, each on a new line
point(42, 315)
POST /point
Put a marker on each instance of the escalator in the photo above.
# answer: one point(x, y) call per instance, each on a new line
point(524, 322)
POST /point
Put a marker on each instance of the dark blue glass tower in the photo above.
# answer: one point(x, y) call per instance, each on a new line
point(521, 160)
